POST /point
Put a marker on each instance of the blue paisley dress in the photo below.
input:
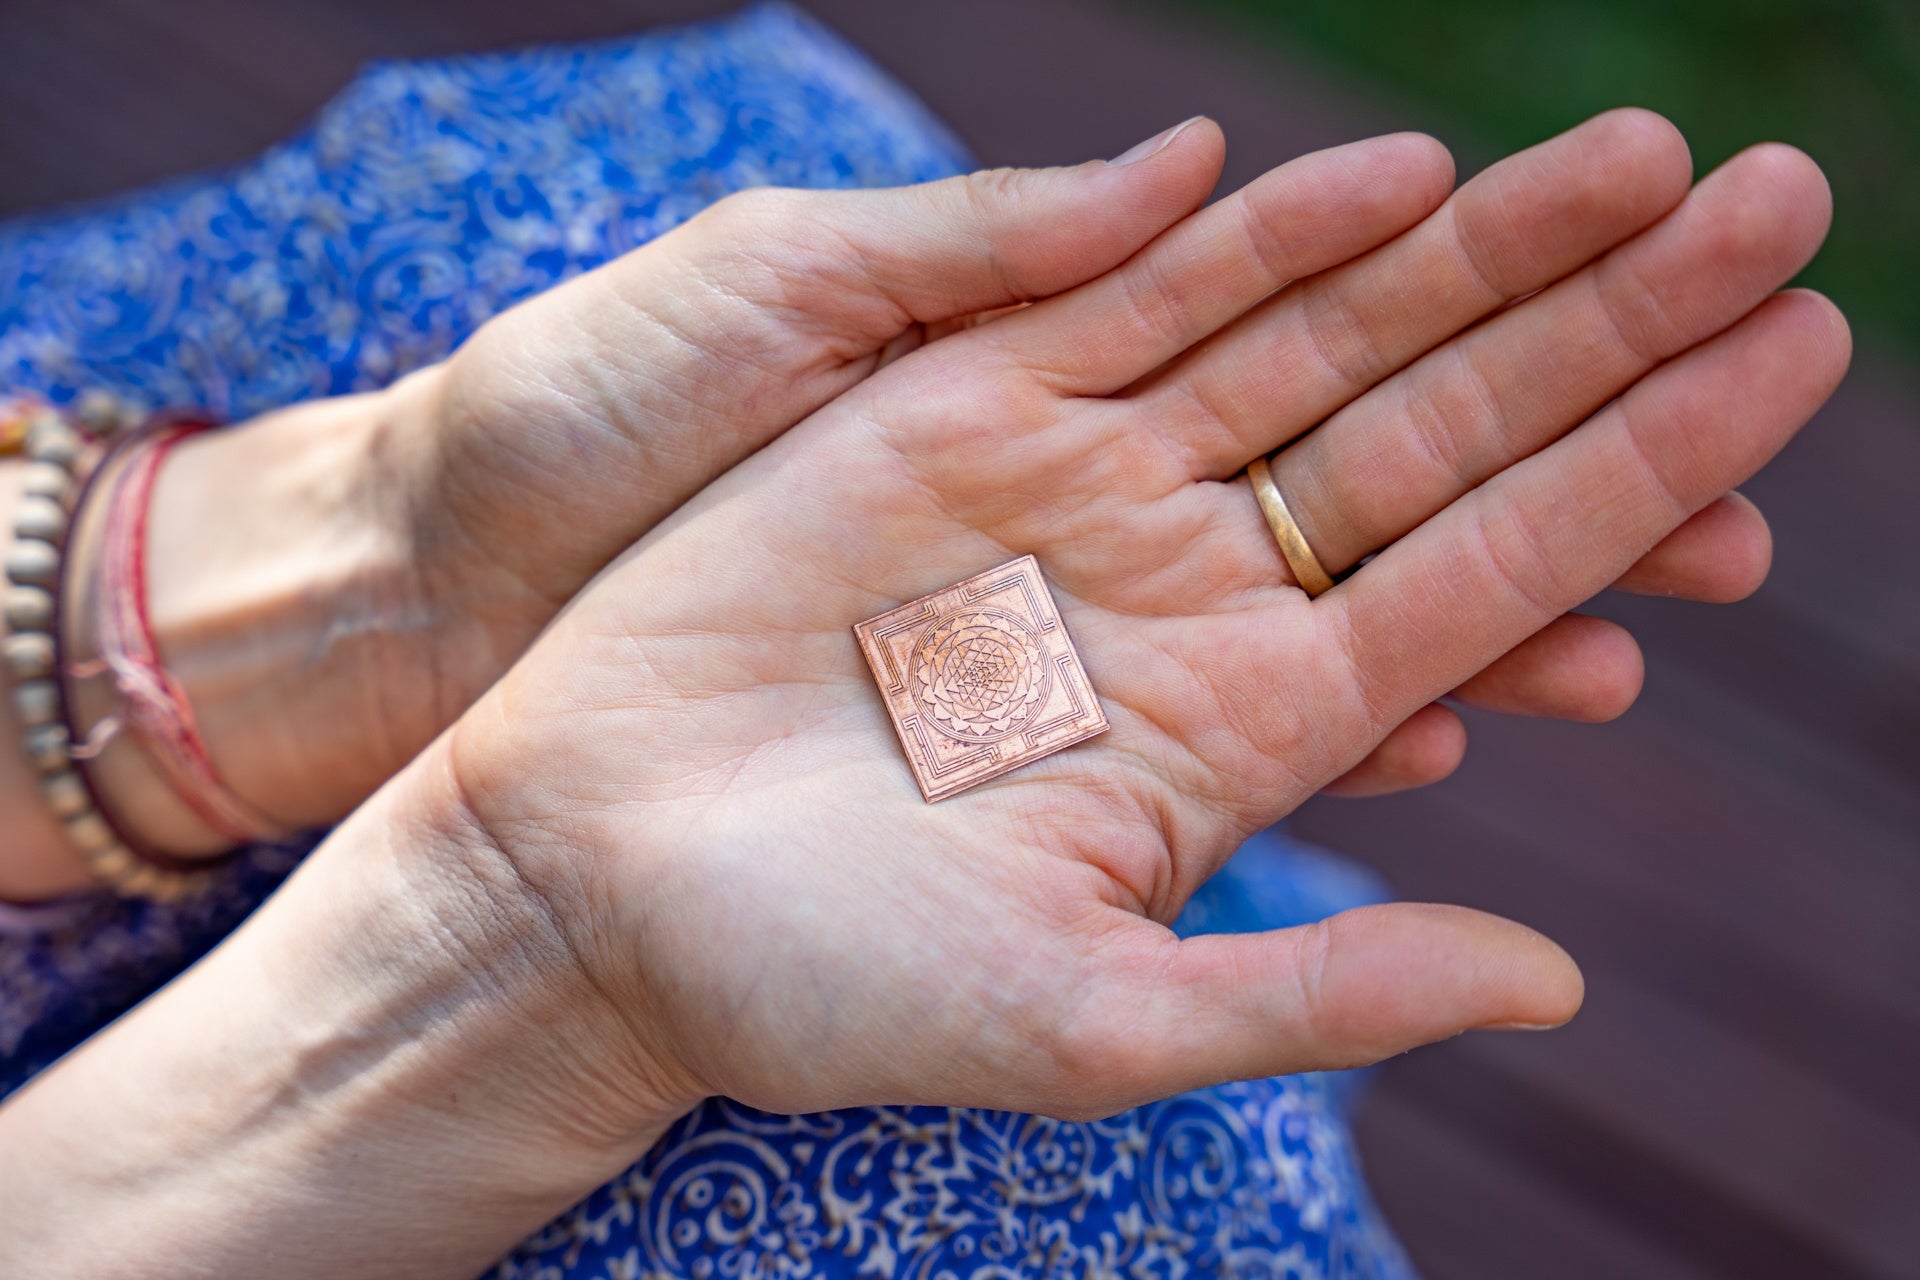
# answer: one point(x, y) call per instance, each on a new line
point(425, 198)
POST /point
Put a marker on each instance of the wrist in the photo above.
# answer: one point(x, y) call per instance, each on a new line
point(279, 592)
point(396, 1057)
point(607, 1095)
point(458, 958)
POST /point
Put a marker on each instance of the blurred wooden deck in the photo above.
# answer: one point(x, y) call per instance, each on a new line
point(1736, 863)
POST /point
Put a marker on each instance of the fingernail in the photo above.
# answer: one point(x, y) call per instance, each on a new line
point(1158, 142)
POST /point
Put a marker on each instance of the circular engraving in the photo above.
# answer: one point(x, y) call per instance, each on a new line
point(981, 674)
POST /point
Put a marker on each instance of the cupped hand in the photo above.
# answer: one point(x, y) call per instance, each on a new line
point(1508, 400)
point(617, 397)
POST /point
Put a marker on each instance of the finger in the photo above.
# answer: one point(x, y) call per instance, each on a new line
point(1303, 217)
point(1353, 989)
point(1420, 751)
point(938, 251)
point(1577, 667)
point(1720, 555)
point(1378, 468)
point(1507, 559)
point(1515, 228)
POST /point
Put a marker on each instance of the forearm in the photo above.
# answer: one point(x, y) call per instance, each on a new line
point(363, 1080)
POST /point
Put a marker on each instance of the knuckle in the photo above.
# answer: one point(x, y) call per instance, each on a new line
point(1158, 305)
point(1341, 338)
point(1635, 310)
point(1518, 551)
point(1254, 226)
point(1452, 409)
point(1489, 248)
point(1665, 472)
point(1373, 695)
point(991, 208)
point(991, 194)
point(1315, 949)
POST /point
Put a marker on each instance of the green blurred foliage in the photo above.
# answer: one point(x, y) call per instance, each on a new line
point(1838, 78)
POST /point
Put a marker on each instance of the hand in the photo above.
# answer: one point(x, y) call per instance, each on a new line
point(618, 397)
point(691, 786)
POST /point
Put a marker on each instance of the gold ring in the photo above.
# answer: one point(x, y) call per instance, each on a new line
point(1307, 570)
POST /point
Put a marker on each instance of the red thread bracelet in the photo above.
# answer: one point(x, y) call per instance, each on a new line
point(153, 705)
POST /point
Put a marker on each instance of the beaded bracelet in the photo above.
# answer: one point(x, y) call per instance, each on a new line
point(62, 458)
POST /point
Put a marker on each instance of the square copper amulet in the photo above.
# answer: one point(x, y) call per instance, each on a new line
point(980, 678)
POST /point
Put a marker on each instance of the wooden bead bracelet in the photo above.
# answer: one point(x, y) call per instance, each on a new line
point(62, 459)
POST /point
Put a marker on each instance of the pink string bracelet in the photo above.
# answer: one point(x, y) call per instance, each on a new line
point(153, 706)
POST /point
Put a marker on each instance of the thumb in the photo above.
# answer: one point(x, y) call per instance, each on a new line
point(942, 250)
point(1350, 990)
point(780, 276)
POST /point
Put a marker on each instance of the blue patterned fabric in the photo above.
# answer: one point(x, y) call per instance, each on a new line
point(427, 197)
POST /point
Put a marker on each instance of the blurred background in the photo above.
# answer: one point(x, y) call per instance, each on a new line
point(1736, 863)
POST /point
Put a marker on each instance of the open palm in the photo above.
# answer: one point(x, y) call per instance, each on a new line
point(1542, 386)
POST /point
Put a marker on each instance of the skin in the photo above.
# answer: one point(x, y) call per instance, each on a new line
point(337, 582)
point(674, 852)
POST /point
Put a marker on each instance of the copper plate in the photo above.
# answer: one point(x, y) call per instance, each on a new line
point(980, 678)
